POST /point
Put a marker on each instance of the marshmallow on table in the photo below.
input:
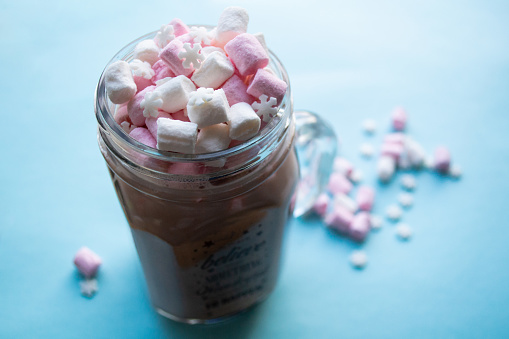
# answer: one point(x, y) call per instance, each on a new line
point(213, 138)
point(161, 71)
point(392, 150)
point(207, 107)
point(176, 135)
point(87, 262)
point(338, 183)
point(395, 138)
point(442, 159)
point(135, 110)
point(264, 82)
point(175, 93)
point(232, 22)
point(236, 91)
point(360, 226)
point(119, 82)
point(247, 54)
point(144, 136)
point(147, 50)
point(243, 122)
point(343, 166)
point(321, 204)
point(151, 122)
point(344, 200)
point(340, 218)
point(399, 118)
point(359, 259)
point(170, 55)
point(385, 168)
point(365, 198)
point(179, 27)
point(415, 152)
point(214, 71)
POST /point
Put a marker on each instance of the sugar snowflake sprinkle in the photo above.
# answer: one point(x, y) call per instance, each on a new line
point(191, 55)
point(88, 287)
point(200, 35)
point(141, 69)
point(406, 199)
point(394, 212)
point(164, 36)
point(201, 96)
point(151, 104)
point(403, 231)
point(358, 259)
point(266, 108)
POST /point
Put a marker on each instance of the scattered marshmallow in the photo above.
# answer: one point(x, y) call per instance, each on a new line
point(338, 183)
point(213, 138)
point(376, 222)
point(266, 108)
point(395, 138)
point(87, 262)
point(207, 107)
point(214, 71)
point(119, 82)
point(360, 226)
point(369, 126)
point(176, 135)
point(89, 287)
point(321, 204)
point(367, 150)
point(403, 231)
point(232, 22)
point(341, 199)
point(164, 36)
point(408, 182)
point(343, 166)
point(385, 168)
point(365, 198)
point(442, 159)
point(406, 199)
point(340, 218)
point(394, 212)
point(399, 118)
point(455, 171)
point(392, 150)
point(359, 259)
point(356, 176)
point(175, 93)
point(243, 121)
point(147, 50)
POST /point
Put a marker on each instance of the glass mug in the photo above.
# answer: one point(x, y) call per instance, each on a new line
point(209, 238)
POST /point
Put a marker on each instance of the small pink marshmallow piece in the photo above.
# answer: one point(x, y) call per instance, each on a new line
point(87, 262)
point(247, 54)
point(392, 150)
point(144, 136)
point(340, 219)
point(264, 82)
point(343, 166)
point(142, 83)
point(121, 114)
point(442, 159)
point(338, 183)
point(151, 123)
point(399, 118)
point(236, 91)
point(161, 71)
point(134, 109)
point(179, 27)
point(360, 226)
point(321, 204)
point(169, 55)
point(365, 198)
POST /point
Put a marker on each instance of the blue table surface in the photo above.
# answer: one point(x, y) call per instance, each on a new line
point(447, 62)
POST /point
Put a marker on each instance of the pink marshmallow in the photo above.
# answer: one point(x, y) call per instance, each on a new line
point(399, 119)
point(395, 138)
point(343, 166)
point(187, 38)
point(180, 115)
point(442, 159)
point(392, 150)
point(144, 136)
point(264, 82)
point(247, 54)
point(169, 55)
point(321, 204)
point(236, 91)
point(121, 114)
point(87, 262)
point(151, 123)
point(338, 183)
point(161, 71)
point(179, 27)
point(340, 219)
point(365, 198)
point(134, 109)
point(360, 226)
point(142, 83)
point(186, 168)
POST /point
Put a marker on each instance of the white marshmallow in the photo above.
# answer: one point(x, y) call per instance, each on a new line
point(385, 168)
point(141, 69)
point(213, 138)
point(415, 152)
point(244, 122)
point(344, 200)
point(147, 50)
point(207, 107)
point(207, 50)
point(261, 38)
point(175, 93)
point(176, 135)
point(119, 82)
point(232, 22)
point(214, 71)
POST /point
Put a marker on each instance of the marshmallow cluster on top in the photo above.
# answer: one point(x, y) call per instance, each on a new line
point(193, 90)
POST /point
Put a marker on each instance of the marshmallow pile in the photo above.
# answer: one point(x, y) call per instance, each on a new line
point(192, 90)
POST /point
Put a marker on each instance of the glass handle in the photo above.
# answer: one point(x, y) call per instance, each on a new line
point(316, 145)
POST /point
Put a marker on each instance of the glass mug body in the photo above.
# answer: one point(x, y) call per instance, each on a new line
point(208, 228)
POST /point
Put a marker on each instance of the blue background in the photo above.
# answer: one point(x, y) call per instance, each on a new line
point(447, 62)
